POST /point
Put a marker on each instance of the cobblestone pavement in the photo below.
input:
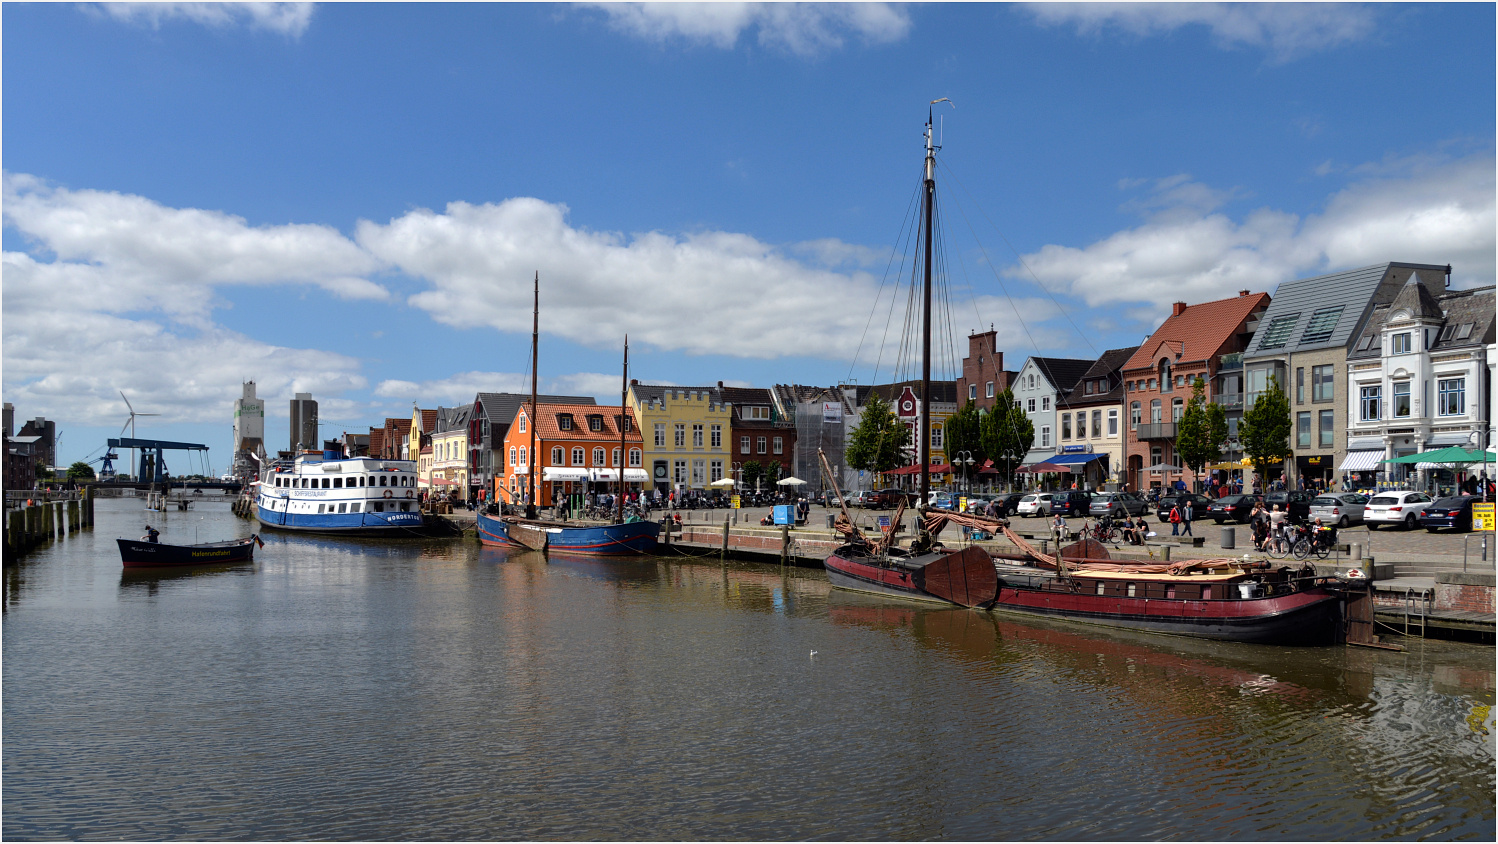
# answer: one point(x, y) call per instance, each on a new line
point(1385, 544)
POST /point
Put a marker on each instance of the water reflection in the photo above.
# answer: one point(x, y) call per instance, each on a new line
point(439, 689)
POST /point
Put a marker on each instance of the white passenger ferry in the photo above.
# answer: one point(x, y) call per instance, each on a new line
point(323, 492)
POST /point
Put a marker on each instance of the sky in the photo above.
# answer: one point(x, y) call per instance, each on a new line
point(352, 200)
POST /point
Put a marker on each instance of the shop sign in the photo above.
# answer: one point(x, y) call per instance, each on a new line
point(832, 411)
point(1482, 516)
point(1076, 449)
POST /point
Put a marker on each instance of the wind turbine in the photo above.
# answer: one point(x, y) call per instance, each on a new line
point(134, 470)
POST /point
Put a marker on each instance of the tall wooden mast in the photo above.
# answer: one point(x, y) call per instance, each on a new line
point(623, 426)
point(533, 463)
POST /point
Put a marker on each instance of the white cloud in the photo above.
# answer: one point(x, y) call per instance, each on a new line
point(801, 28)
point(151, 257)
point(1284, 30)
point(462, 387)
point(186, 378)
point(702, 293)
point(291, 19)
point(1416, 209)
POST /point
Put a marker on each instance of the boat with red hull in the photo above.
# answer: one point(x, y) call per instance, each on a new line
point(966, 578)
point(1236, 606)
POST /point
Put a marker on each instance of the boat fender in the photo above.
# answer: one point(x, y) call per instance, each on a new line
point(1355, 574)
point(389, 494)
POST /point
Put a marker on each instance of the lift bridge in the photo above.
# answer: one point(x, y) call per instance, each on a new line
point(152, 466)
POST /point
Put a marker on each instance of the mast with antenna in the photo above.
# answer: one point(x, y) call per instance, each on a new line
point(928, 199)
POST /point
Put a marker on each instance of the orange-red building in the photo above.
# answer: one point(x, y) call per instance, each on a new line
point(577, 450)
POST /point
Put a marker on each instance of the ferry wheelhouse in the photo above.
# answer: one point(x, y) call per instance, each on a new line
point(323, 492)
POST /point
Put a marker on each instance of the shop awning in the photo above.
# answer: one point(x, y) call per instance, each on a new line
point(1361, 461)
point(611, 475)
point(1075, 459)
point(915, 469)
point(1041, 469)
point(554, 473)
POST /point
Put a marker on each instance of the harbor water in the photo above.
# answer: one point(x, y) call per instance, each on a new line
point(433, 689)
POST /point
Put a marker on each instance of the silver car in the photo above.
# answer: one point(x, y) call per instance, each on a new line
point(1339, 508)
point(1035, 504)
point(1117, 505)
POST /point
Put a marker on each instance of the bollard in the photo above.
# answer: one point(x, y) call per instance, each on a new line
point(1167, 552)
point(1229, 537)
point(830, 519)
point(1355, 553)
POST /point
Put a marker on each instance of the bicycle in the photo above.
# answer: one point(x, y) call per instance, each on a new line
point(1104, 531)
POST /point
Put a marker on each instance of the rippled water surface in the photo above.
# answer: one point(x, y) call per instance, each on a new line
point(341, 689)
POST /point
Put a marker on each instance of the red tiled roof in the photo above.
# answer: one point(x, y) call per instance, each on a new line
point(376, 440)
point(549, 428)
point(1204, 328)
point(428, 421)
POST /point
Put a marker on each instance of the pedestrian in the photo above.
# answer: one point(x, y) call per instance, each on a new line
point(1175, 520)
point(1058, 529)
point(1186, 514)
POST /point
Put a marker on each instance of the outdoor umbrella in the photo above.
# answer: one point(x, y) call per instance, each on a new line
point(791, 481)
point(1162, 467)
point(723, 482)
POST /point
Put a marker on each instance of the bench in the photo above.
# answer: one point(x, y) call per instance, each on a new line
point(1194, 541)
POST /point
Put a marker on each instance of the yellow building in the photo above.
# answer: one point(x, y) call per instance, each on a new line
point(686, 432)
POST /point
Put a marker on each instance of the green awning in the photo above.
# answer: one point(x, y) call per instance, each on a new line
point(1452, 455)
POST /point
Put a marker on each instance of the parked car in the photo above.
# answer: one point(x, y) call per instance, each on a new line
point(977, 502)
point(1395, 507)
point(1034, 504)
point(942, 499)
point(1071, 502)
point(859, 498)
point(1008, 504)
point(1118, 505)
point(1339, 508)
point(886, 499)
point(1454, 513)
point(1199, 505)
point(1292, 501)
point(1232, 508)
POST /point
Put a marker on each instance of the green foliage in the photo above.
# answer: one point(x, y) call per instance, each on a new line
point(751, 472)
point(878, 443)
point(1202, 430)
point(964, 432)
point(1265, 428)
point(80, 471)
point(773, 472)
point(1007, 435)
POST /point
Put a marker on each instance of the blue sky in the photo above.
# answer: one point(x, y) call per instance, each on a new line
point(352, 199)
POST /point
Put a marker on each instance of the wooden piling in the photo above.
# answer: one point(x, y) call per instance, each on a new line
point(723, 555)
point(785, 543)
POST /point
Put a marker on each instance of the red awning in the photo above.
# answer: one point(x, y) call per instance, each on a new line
point(1041, 468)
point(444, 482)
point(915, 469)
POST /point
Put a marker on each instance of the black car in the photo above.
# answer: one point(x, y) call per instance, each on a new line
point(1294, 502)
point(1454, 512)
point(1007, 503)
point(1232, 508)
point(1199, 504)
point(1071, 502)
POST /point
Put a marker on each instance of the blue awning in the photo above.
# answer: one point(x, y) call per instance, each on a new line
point(1075, 459)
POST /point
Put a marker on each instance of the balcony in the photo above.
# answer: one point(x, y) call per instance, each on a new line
point(1157, 431)
point(1229, 401)
point(1229, 362)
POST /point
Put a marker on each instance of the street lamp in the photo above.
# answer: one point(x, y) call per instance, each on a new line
point(964, 459)
point(1476, 438)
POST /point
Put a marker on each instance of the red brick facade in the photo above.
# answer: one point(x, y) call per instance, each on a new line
point(984, 365)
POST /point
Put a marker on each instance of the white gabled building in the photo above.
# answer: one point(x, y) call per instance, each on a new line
point(1041, 385)
point(1420, 378)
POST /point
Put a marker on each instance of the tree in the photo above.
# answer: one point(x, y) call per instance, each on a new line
point(772, 472)
point(80, 470)
point(1008, 434)
point(1264, 430)
point(878, 443)
point(964, 432)
point(751, 472)
point(1202, 430)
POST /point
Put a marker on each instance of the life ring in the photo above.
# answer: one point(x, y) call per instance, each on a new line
point(389, 494)
point(410, 493)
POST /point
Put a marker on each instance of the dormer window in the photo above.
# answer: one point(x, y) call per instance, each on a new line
point(595, 423)
point(564, 421)
point(1399, 343)
point(759, 413)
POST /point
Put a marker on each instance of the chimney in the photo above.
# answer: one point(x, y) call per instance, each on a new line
point(1178, 308)
point(720, 385)
point(1242, 292)
point(634, 382)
